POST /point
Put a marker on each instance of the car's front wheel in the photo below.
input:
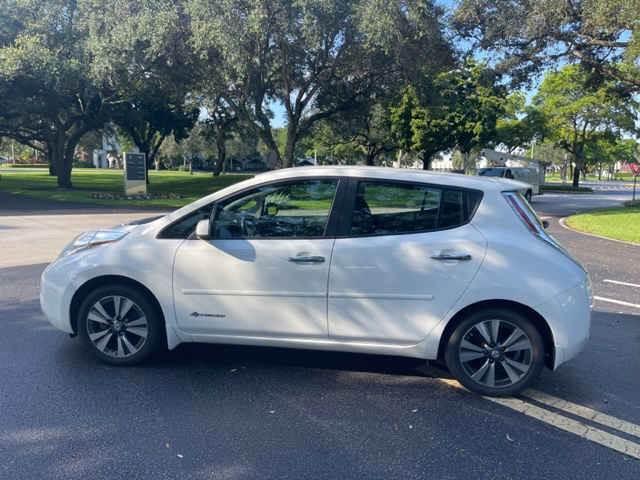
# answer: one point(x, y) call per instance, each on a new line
point(119, 325)
point(495, 352)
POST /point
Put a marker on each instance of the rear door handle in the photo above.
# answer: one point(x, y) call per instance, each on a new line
point(306, 259)
point(452, 256)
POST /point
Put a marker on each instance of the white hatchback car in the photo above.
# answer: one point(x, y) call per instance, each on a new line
point(371, 260)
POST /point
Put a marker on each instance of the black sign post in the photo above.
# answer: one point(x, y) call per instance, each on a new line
point(135, 174)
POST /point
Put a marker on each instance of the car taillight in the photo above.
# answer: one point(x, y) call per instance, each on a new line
point(533, 222)
point(528, 216)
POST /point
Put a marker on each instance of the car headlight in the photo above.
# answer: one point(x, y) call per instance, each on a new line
point(92, 239)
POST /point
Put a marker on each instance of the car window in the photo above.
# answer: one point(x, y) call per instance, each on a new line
point(391, 208)
point(185, 226)
point(452, 213)
point(293, 209)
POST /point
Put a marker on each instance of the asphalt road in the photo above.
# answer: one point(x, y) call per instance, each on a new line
point(211, 412)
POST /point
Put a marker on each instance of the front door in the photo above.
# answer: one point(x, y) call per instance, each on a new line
point(265, 271)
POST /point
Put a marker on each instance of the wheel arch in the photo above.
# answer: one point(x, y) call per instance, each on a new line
point(537, 319)
point(98, 282)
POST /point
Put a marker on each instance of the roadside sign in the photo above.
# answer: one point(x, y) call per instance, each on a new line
point(135, 174)
point(635, 168)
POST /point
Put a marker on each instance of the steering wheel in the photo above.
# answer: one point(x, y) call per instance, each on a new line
point(248, 225)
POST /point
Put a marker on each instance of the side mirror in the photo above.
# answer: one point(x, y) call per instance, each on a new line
point(271, 209)
point(203, 230)
point(545, 224)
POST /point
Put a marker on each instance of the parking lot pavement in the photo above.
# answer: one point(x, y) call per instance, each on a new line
point(35, 230)
point(33, 239)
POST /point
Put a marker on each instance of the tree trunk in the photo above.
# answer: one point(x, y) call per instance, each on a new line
point(576, 175)
point(426, 159)
point(370, 156)
point(222, 151)
point(58, 150)
point(290, 145)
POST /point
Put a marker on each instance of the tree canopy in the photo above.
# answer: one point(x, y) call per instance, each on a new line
point(526, 37)
point(459, 108)
point(364, 77)
point(46, 99)
point(579, 116)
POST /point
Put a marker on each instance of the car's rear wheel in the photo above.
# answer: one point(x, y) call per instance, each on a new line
point(495, 352)
point(119, 325)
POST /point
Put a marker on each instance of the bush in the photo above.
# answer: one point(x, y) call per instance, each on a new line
point(25, 165)
point(564, 187)
point(632, 203)
point(83, 164)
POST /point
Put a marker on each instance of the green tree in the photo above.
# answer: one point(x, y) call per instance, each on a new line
point(365, 128)
point(550, 152)
point(518, 127)
point(602, 155)
point(149, 121)
point(142, 49)
point(457, 108)
point(221, 121)
point(578, 117)
point(526, 37)
point(47, 100)
point(315, 57)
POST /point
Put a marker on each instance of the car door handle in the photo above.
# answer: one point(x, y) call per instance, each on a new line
point(452, 256)
point(306, 259)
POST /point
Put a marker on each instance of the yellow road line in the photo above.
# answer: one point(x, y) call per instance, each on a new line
point(570, 425)
point(584, 412)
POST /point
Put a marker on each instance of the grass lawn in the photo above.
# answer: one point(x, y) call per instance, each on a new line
point(620, 223)
point(180, 187)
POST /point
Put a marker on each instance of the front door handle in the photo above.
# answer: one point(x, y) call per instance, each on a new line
point(306, 259)
point(452, 256)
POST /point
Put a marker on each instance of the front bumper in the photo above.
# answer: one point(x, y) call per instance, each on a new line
point(56, 292)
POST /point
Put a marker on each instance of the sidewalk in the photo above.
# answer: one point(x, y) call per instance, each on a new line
point(34, 231)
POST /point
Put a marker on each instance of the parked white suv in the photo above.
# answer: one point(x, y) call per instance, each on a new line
point(380, 261)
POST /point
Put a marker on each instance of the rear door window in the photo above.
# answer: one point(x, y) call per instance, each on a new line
point(388, 208)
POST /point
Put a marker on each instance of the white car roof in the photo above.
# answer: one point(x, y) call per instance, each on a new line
point(406, 174)
point(484, 184)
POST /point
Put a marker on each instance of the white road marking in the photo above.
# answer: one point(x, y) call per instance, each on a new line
point(596, 435)
point(622, 283)
point(617, 302)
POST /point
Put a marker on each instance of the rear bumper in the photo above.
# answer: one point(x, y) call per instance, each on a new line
point(569, 317)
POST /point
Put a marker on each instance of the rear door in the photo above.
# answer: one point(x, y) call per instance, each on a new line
point(400, 262)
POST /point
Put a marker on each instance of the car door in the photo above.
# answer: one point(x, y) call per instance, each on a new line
point(401, 262)
point(264, 272)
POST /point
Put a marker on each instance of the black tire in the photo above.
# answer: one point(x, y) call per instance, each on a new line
point(120, 326)
point(495, 352)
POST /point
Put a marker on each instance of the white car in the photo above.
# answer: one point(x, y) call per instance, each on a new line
point(354, 259)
